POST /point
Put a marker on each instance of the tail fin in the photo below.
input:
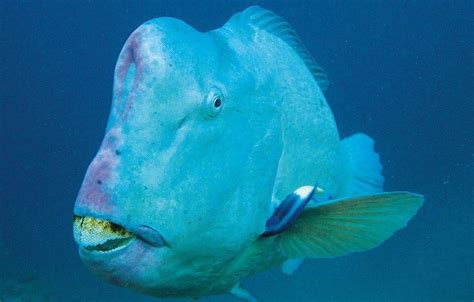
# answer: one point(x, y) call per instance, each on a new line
point(365, 168)
point(342, 226)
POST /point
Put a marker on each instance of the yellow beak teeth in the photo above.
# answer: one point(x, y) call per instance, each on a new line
point(90, 231)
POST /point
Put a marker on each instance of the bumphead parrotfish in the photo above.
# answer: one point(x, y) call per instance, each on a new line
point(221, 158)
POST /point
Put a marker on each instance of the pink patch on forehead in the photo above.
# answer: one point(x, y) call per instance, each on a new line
point(93, 193)
point(131, 55)
point(123, 63)
point(101, 176)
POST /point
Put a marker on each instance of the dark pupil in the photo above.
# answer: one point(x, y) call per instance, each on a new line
point(217, 103)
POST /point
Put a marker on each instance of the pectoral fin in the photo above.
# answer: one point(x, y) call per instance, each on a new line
point(341, 226)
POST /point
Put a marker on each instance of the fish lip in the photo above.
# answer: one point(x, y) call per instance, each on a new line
point(150, 236)
point(141, 233)
point(87, 251)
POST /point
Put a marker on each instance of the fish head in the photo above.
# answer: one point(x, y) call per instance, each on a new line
point(183, 179)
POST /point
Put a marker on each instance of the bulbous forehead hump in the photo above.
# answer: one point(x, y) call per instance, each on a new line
point(167, 41)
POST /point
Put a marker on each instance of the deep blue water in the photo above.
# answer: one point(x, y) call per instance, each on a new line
point(402, 72)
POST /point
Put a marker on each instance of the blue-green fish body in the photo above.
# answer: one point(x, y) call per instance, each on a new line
point(208, 134)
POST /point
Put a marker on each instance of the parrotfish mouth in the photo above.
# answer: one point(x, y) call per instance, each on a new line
point(103, 236)
point(98, 235)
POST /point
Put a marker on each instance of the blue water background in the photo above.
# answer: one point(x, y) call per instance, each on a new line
point(400, 71)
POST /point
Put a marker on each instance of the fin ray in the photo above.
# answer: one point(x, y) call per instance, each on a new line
point(337, 227)
point(270, 22)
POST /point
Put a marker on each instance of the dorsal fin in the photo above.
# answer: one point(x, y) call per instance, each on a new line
point(270, 22)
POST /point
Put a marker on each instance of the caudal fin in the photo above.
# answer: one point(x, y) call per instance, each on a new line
point(365, 169)
point(342, 226)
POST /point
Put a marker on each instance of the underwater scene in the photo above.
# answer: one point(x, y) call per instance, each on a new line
point(238, 150)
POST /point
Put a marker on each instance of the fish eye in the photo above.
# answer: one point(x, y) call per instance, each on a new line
point(217, 102)
point(214, 103)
